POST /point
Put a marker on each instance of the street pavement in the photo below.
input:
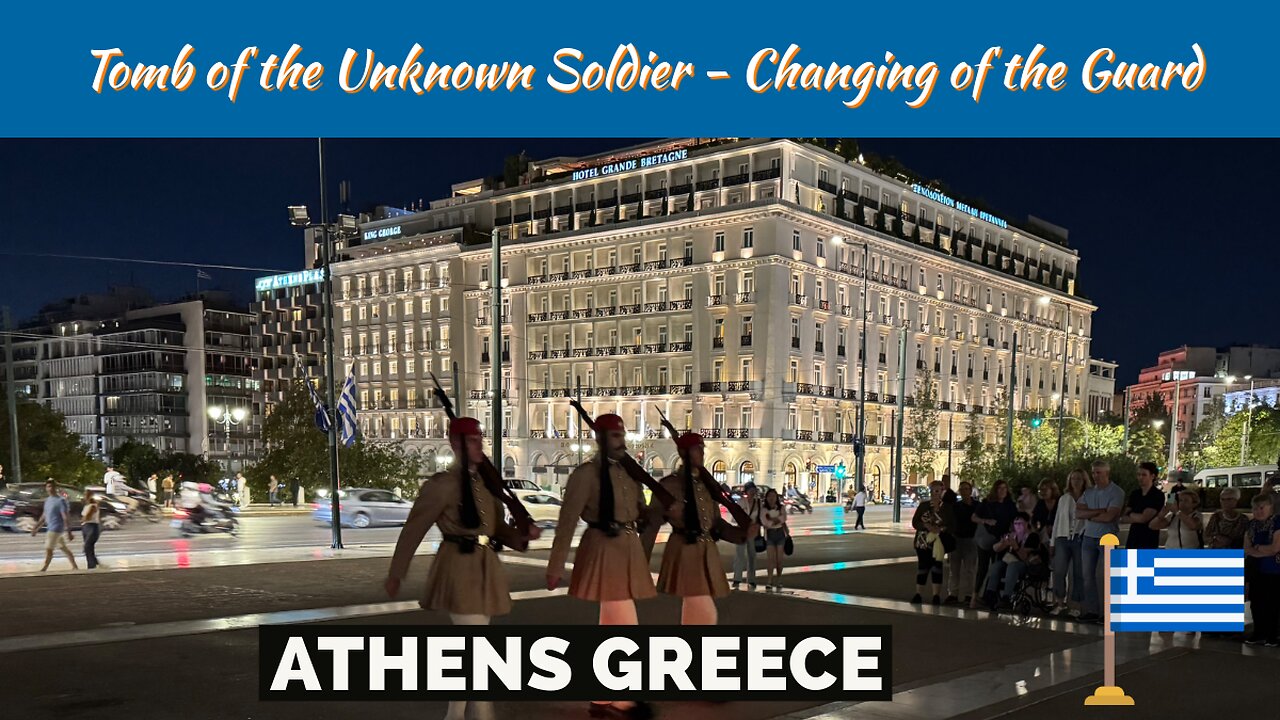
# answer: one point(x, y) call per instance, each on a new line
point(151, 639)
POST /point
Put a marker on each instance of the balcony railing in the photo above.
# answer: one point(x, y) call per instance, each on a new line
point(825, 436)
point(840, 350)
point(824, 304)
point(818, 346)
point(745, 297)
point(847, 394)
point(804, 388)
point(713, 300)
point(739, 385)
point(711, 433)
point(711, 184)
point(801, 300)
point(804, 435)
point(710, 386)
point(736, 179)
point(846, 437)
point(766, 174)
point(738, 433)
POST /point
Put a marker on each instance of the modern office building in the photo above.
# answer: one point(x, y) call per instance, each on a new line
point(723, 282)
point(149, 373)
point(290, 328)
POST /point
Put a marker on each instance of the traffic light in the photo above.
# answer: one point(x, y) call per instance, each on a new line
point(1037, 421)
point(840, 471)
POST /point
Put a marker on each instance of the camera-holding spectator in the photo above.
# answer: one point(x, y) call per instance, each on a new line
point(1184, 522)
point(993, 518)
point(1019, 548)
point(1262, 543)
point(930, 521)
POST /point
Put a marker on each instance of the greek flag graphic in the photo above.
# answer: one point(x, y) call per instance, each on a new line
point(322, 411)
point(1177, 590)
point(347, 410)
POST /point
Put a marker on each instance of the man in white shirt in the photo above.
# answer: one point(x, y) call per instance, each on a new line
point(860, 506)
point(114, 483)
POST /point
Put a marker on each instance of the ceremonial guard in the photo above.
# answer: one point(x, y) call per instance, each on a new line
point(466, 578)
point(610, 567)
point(691, 567)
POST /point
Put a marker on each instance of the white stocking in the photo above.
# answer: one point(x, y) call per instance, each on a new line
point(700, 610)
point(618, 612)
point(458, 708)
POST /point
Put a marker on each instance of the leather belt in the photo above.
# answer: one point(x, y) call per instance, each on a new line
point(468, 543)
point(613, 529)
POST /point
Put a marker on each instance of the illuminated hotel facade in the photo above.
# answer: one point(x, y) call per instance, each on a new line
point(720, 281)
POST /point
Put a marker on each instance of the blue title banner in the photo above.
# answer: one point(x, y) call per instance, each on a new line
point(395, 69)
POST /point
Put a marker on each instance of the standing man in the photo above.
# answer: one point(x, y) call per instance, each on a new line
point(964, 559)
point(273, 491)
point(151, 486)
point(860, 507)
point(114, 483)
point(1100, 508)
point(54, 515)
point(1144, 504)
point(466, 580)
point(167, 486)
point(242, 490)
point(691, 566)
point(610, 567)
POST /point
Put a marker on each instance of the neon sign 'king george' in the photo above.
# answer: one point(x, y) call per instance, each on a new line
point(936, 196)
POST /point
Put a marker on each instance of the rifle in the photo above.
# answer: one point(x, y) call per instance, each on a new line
point(629, 463)
point(740, 516)
point(493, 481)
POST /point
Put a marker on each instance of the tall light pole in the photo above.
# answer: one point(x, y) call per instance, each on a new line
point(1173, 423)
point(1126, 419)
point(299, 217)
point(860, 441)
point(226, 417)
point(1244, 440)
point(495, 350)
point(1066, 335)
point(11, 392)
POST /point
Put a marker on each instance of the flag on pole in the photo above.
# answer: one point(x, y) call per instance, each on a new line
point(1177, 590)
point(202, 275)
point(347, 409)
point(322, 411)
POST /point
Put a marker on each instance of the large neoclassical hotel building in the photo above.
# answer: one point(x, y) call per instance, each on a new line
point(720, 280)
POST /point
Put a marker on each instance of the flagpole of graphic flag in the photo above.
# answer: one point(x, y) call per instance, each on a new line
point(1109, 693)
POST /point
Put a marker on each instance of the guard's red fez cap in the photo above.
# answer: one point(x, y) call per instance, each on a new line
point(610, 423)
point(689, 441)
point(464, 426)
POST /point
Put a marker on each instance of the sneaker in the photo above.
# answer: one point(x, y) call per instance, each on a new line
point(951, 600)
point(937, 600)
point(1254, 640)
point(1273, 643)
point(916, 599)
point(752, 586)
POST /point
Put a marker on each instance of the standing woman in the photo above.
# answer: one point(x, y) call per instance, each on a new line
point(90, 527)
point(1067, 541)
point(930, 521)
point(773, 519)
point(1045, 513)
point(744, 556)
point(466, 580)
point(994, 517)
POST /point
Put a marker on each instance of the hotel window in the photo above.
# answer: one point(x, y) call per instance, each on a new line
point(409, 367)
point(637, 377)
point(822, 248)
point(748, 281)
point(662, 252)
point(718, 331)
point(346, 344)
point(840, 377)
point(346, 314)
point(688, 249)
point(688, 290)
point(791, 419)
point(795, 328)
point(375, 311)
point(637, 337)
point(818, 288)
point(719, 285)
point(484, 274)
point(748, 238)
point(746, 325)
point(795, 239)
point(817, 374)
point(840, 295)
point(393, 368)
point(922, 283)
point(744, 372)
point(793, 373)
point(408, 308)
point(444, 304)
point(719, 242)
point(822, 175)
point(746, 418)
point(426, 306)
point(939, 282)
point(717, 371)
point(688, 332)
point(795, 284)
point(364, 312)
point(444, 337)
point(377, 369)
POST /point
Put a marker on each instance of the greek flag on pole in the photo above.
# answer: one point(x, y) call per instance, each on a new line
point(1177, 590)
point(322, 412)
point(347, 410)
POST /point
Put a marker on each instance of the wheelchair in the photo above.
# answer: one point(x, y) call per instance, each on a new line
point(1033, 592)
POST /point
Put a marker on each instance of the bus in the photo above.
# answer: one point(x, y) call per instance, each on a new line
point(1243, 476)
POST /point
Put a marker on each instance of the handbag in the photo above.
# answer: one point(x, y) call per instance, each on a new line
point(760, 545)
point(788, 547)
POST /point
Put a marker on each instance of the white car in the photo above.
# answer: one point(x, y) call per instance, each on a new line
point(542, 505)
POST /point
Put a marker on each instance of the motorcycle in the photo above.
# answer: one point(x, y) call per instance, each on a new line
point(213, 521)
point(147, 507)
point(797, 504)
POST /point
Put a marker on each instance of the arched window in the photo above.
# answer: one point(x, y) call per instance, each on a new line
point(875, 490)
point(718, 471)
point(746, 472)
point(509, 467)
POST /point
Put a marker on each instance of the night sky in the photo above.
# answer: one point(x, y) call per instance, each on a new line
point(1169, 252)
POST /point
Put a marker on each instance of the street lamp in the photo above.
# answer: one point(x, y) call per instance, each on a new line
point(1061, 398)
point(226, 417)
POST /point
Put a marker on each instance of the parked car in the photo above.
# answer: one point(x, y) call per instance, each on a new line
point(364, 507)
point(21, 505)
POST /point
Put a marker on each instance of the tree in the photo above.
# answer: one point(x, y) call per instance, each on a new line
point(296, 449)
point(976, 458)
point(1147, 444)
point(1202, 436)
point(46, 448)
point(136, 461)
point(1150, 411)
point(923, 429)
point(847, 148)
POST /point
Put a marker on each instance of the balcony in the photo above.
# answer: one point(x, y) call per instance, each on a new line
point(712, 386)
point(736, 179)
point(846, 310)
point(801, 300)
point(711, 184)
point(739, 385)
point(713, 300)
point(804, 435)
point(826, 391)
point(710, 433)
point(738, 433)
point(824, 305)
point(847, 394)
point(825, 436)
point(745, 341)
point(506, 356)
point(768, 174)
point(717, 343)
point(804, 388)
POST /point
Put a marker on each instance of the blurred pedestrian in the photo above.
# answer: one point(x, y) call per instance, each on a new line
point(167, 486)
point(54, 515)
point(273, 490)
point(964, 558)
point(242, 490)
point(860, 507)
point(744, 557)
point(151, 486)
point(90, 528)
point(295, 490)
